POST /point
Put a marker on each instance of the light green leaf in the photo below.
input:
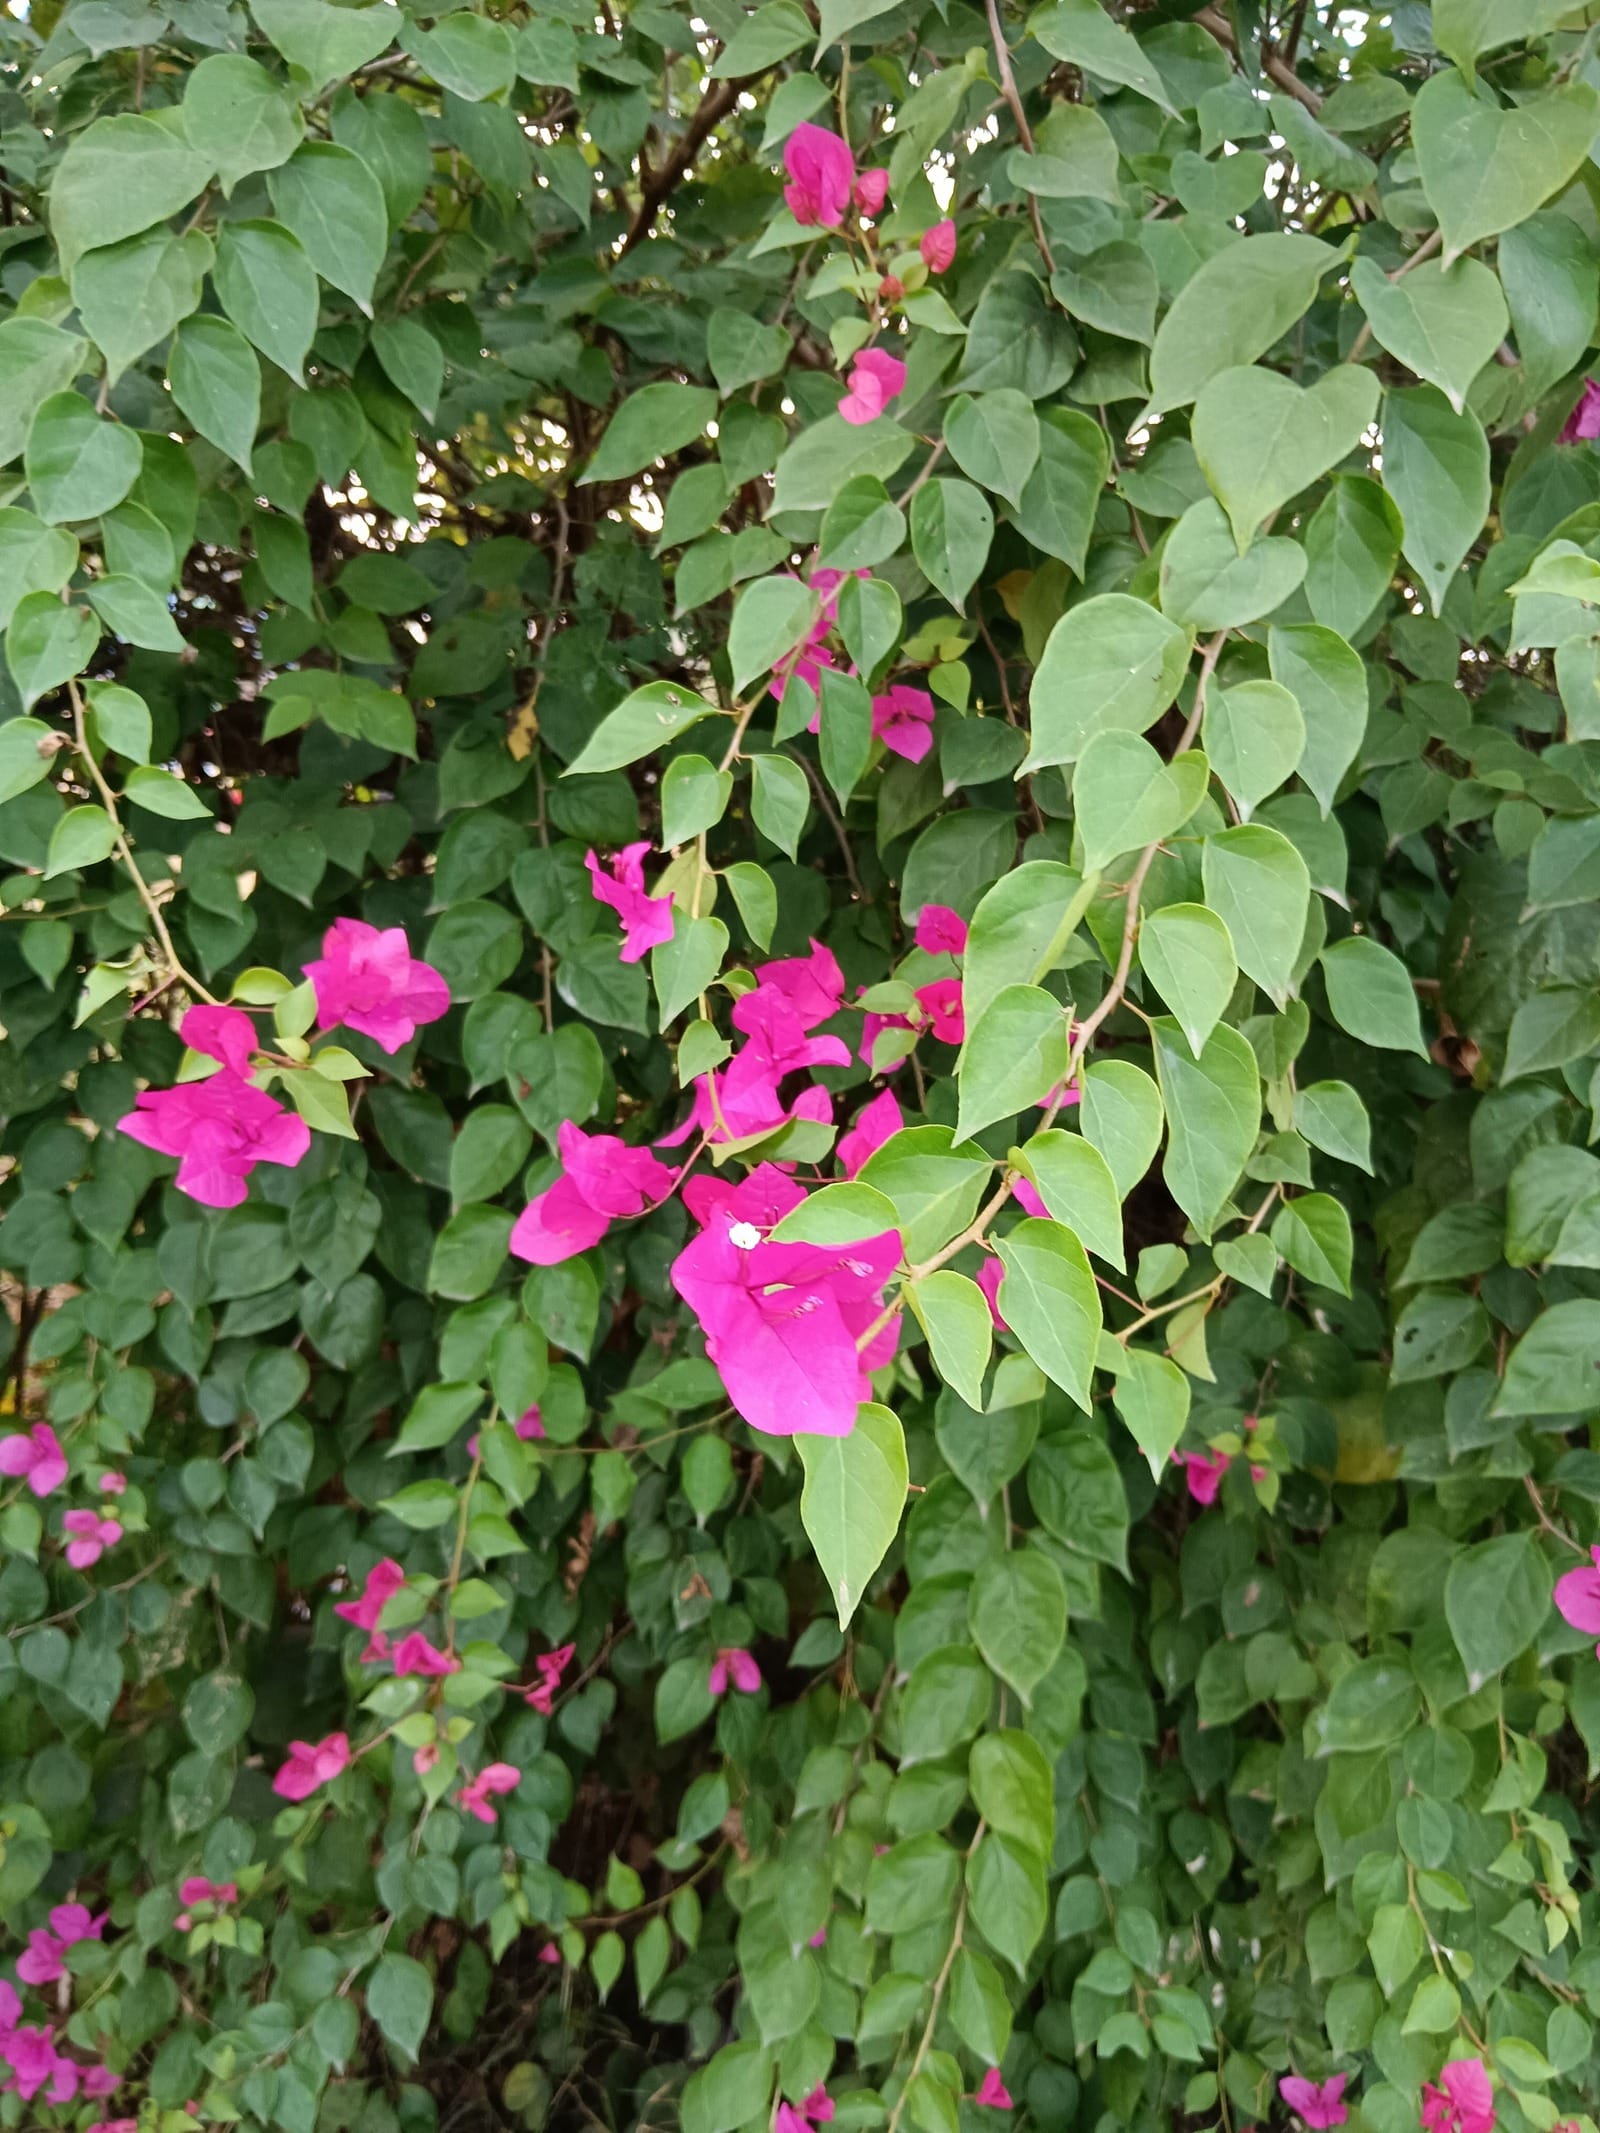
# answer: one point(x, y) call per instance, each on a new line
point(780, 800)
point(1231, 310)
point(952, 528)
point(1075, 1183)
point(78, 464)
point(1206, 583)
point(1121, 1116)
point(23, 762)
point(686, 965)
point(994, 439)
point(1125, 797)
point(1329, 684)
point(36, 360)
point(641, 723)
point(1370, 994)
point(268, 286)
point(1261, 438)
point(472, 56)
point(131, 295)
point(325, 41)
point(136, 613)
point(1352, 545)
point(1259, 886)
point(1442, 322)
point(1084, 35)
point(46, 643)
point(1332, 1117)
point(400, 2002)
point(855, 1490)
point(216, 381)
point(651, 424)
point(1312, 1231)
point(1111, 662)
point(954, 1313)
point(1017, 1611)
point(412, 358)
point(1436, 468)
point(238, 118)
point(1013, 1057)
point(82, 838)
point(770, 618)
point(1020, 930)
point(1496, 1598)
point(1485, 167)
point(1074, 158)
point(1550, 1028)
point(1049, 1298)
point(1151, 1394)
point(1187, 953)
point(1213, 1107)
point(1254, 737)
point(328, 198)
point(1059, 499)
point(118, 176)
point(34, 558)
point(1465, 29)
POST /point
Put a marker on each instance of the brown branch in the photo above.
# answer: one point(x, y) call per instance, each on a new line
point(1008, 88)
point(715, 105)
point(1278, 70)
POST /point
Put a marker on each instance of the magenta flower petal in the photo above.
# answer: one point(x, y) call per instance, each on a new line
point(821, 171)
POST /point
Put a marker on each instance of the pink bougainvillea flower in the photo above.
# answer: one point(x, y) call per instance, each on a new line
point(36, 1458)
point(197, 1889)
point(1026, 1195)
point(219, 1129)
point(870, 191)
point(415, 1655)
point(812, 985)
point(100, 2081)
point(876, 378)
point(384, 1580)
point(940, 931)
point(368, 979)
point(1463, 2101)
point(530, 1423)
point(780, 1037)
point(114, 1484)
point(938, 247)
point(782, 1320)
point(1317, 2106)
point(941, 1003)
point(489, 1783)
point(1583, 423)
point(762, 1198)
point(619, 882)
point(993, 2091)
point(902, 719)
point(603, 1181)
point(224, 1033)
point(875, 1123)
point(549, 1953)
point(311, 1765)
point(1204, 1471)
point(817, 2109)
point(91, 1537)
point(1577, 1594)
point(41, 1963)
point(31, 2053)
point(551, 1665)
point(821, 172)
point(734, 1667)
point(990, 1275)
point(787, 2119)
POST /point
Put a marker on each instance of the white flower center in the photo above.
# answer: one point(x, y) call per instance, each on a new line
point(745, 1235)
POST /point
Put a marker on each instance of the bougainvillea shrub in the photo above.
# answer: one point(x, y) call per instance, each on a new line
point(800, 968)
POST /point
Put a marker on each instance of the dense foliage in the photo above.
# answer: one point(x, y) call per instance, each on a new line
point(800, 966)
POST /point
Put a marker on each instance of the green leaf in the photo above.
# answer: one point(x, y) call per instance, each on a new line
point(1021, 930)
point(1050, 1300)
point(845, 730)
point(1254, 737)
point(1551, 280)
point(780, 799)
point(855, 1490)
point(1125, 797)
point(1213, 1107)
point(1008, 1896)
point(740, 349)
point(34, 558)
point(1261, 438)
point(770, 618)
point(1075, 1183)
point(1114, 289)
point(1187, 953)
point(36, 360)
point(1312, 1231)
point(684, 967)
point(1111, 663)
point(78, 465)
point(1549, 1029)
point(436, 1415)
point(979, 2008)
point(862, 527)
point(136, 613)
point(131, 295)
point(1075, 1486)
point(1121, 1116)
point(1074, 157)
point(1012, 1058)
point(118, 176)
point(1231, 310)
point(23, 762)
point(1259, 886)
point(472, 56)
point(1018, 1616)
point(1551, 1370)
point(1151, 1394)
point(326, 41)
point(1370, 994)
point(994, 439)
point(837, 1214)
point(1057, 506)
point(1436, 469)
point(1084, 35)
point(236, 116)
point(1206, 583)
point(641, 723)
point(328, 198)
point(411, 356)
point(816, 466)
point(1332, 1117)
point(1484, 167)
point(268, 286)
point(1396, 1944)
point(1442, 322)
point(216, 382)
point(870, 620)
point(1496, 1598)
point(935, 1189)
point(46, 643)
point(400, 2002)
point(1329, 684)
point(954, 1314)
point(81, 838)
point(694, 798)
point(165, 795)
point(952, 528)
point(651, 424)
point(1352, 545)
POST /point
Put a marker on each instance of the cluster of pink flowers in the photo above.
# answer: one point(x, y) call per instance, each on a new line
point(876, 378)
point(311, 1765)
point(602, 1181)
point(817, 2110)
point(902, 716)
point(35, 2068)
point(783, 1322)
point(1578, 1596)
point(219, 1129)
point(734, 1668)
point(551, 1666)
point(44, 1958)
point(37, 1457)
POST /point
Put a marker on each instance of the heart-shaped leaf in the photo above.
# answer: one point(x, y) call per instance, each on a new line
point(1485, 168)
point(1261, 439)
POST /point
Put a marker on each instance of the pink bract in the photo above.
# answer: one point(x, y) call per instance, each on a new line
point(91, 1534)
point(1578, 1596)
point(384, 1580)
point(1204, 1471)
point(369, 980)
point(1462, 2102)
point(938, 247)
point(603, 1180)
point(902, 718)
point(223, 1033)
point(875, 1123)
point(619, 882)
point(415, 1655)
point(311, 1765)
point(812, 985)
point(34, 1456)
point(870, 191)
point(993, 2092)
point(1316, 2105)
point(1584, 421)
point(940, 931)
point(495, 1779)
point(219, 1129)
point(821, 171)
point(737, 1669)
point(876, 378)
point(941, 1003)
